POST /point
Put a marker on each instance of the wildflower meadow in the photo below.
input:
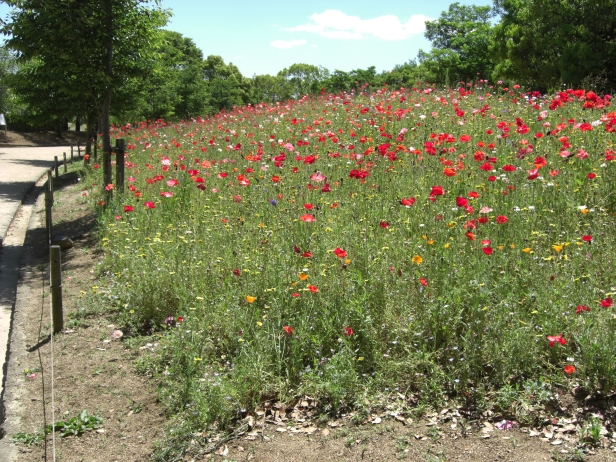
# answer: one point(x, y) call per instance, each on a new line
point(414, 245)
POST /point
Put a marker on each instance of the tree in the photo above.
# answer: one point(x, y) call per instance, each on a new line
point(175, 87)
point(225, 84)
point(461, 40)
point(545, 43)
point(8, 68)
point(304, 79)
point(83, 53)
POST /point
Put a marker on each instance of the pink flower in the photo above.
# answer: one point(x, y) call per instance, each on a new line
point(149, 205)
point(307, 218)
point(556, 338)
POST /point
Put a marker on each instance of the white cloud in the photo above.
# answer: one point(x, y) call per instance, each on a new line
point(287, 43)
point(338, 25)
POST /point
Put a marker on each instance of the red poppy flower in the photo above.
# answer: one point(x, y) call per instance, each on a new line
point(128, 208)
point(236, 272)
point(587, 238)
point(384, 224)
point(340, 253)
point(307, 218)
point(581, 308)
point(348, 331)
point(307, 254)
point(149, 205)
point(540, 162)
point(437, 191)
point(308, 206)
point(313, 289)
point(408, 202)
point(556, 338)
point(461, 201)
point(276, 179)
point(483, 220)
point(465, 138)
point(591, 176)
point(423, 282)
point(501, 219)
point(288, 330)
point(509, 168)
point(492, 178)
point(295, 295)
point(448, 171)
point(606, 303)
point(180, 318)
point(569, 369)
point(473, 195)
point(470, 235)
point(488, 250)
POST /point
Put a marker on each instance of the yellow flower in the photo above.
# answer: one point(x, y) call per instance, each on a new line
point(557, 248)
point(417, 260)
point(526, 250)
point(250, 299)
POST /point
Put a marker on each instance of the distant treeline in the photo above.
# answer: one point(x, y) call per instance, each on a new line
point(541, 44)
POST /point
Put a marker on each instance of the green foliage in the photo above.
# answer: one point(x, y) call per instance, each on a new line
point(303, 79)
point(87, 54)
point(28, 439)
point(460, 38)
point(546, 43)
point(76, 426)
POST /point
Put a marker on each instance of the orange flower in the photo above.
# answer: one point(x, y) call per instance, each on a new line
point(569, 369)
point(288, 330)
point(250, 299)
point(303, 276)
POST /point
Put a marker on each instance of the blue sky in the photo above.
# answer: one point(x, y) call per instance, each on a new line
point(263, 37)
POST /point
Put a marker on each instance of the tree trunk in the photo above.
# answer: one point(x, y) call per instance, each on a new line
point(77, 124)
point(89, 133)
point(107, 101)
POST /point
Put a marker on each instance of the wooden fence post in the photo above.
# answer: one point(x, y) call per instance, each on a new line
point(55, 287)
point(48, 205)
point(71, 154)
point(65, 167)
point(119, 150)
point(55, 158)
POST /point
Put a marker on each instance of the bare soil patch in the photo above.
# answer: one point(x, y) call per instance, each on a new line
point(94, 372)
point(41, 138)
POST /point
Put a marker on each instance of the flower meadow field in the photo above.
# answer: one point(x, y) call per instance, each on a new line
point(413, 245)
